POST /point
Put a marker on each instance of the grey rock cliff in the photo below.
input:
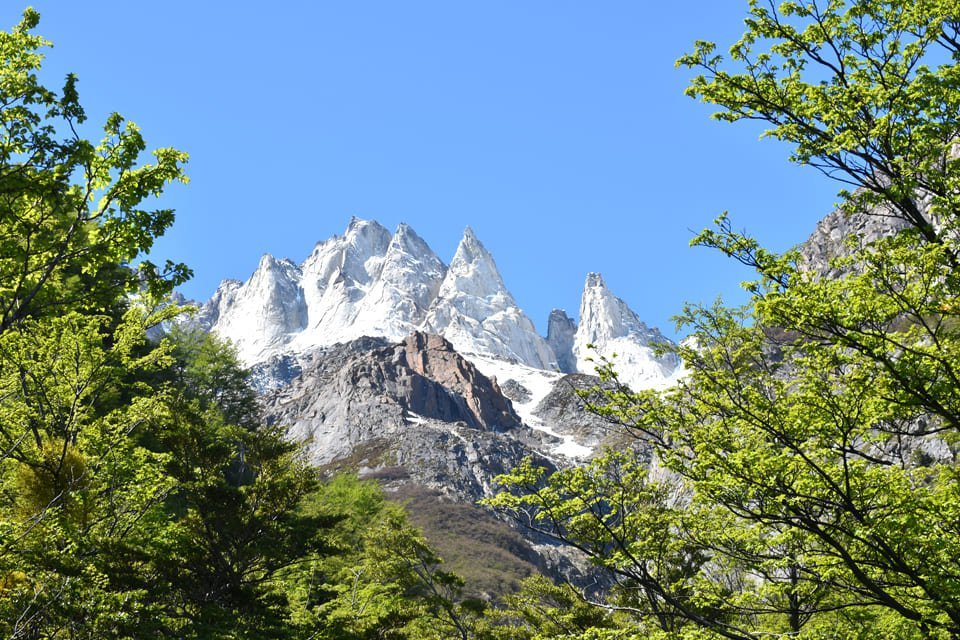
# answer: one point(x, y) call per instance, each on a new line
point(416, 407)
point(830, 238)
point(566, 411)
point(561, 334)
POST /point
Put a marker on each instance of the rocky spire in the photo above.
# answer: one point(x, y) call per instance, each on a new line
point(475, 312)
point(409, 281)
point(336, 276)
point(611, 327)
point(561, 332)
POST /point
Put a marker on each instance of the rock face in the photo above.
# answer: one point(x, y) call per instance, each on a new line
point(828, 240)
point(432, 358)
point(561, 335)
point(419, 403)
point(565, 410)
point(260, 315)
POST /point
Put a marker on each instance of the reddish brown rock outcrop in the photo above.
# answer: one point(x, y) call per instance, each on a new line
point(433, 358)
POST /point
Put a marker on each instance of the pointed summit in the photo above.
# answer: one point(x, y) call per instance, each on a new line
point(475, 312)
point(594, 280)
point(409, 280)
point(470, 243)
point(407, 240)
point(612, 327)
point(473, 271)
point(603, 316)
point(260, 315)
point(358, 226)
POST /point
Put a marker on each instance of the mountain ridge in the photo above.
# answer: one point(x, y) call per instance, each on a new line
point(369, 282)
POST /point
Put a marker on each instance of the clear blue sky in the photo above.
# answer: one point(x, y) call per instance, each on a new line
point(557, 129)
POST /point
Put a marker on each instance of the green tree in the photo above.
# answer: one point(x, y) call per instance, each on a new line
point(542, 609)
point(235, 510)
point(72, 211)
point(76, 488)
point(866, 91)
point(813, 443)
point(387, 582)
point(140, 493)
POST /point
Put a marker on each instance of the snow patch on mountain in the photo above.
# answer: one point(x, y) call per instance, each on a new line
point(538, 384)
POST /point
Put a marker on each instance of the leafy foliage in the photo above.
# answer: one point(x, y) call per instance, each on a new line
point(387, 582)
point(235, 516)
point(807, 465)
point(140, 495)
point(72, 211)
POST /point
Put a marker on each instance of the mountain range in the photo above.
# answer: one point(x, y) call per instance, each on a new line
point(369, 282)
point(428, 377)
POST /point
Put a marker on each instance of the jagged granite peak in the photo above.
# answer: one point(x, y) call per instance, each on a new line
point(473, 271)
point(607, 327)
point(561, 333)
point(260, 315)
point(336, 276)
point(219, 303)
point(604, 316)
point(409, 281)
point(475, 312)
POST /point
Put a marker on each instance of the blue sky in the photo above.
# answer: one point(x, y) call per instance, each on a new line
point(558, 130)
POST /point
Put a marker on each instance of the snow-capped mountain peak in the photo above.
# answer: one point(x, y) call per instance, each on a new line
point(603, 316)
point(259, 315)
point(473, 271)
point(369, 282)
point(409, 281)
point(607, 327)
point(475, 312)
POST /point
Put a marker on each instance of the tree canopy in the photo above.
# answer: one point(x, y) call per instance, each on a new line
point(140, 494)
point(806, 480)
